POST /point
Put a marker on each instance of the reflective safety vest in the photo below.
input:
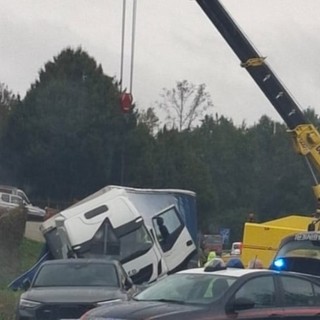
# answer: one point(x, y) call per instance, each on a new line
point(211, 256)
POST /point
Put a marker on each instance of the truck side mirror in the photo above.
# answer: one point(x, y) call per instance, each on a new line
point(128, 284)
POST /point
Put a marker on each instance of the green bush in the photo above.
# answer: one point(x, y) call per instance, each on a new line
point(17, 255)
point(27, 254)
point(12, 228)
point(8, 302)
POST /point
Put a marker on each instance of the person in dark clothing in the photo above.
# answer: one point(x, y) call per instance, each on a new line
point(163, 229)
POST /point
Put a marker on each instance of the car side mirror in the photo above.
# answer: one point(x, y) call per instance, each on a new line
point(26, 284)
point(243, 304)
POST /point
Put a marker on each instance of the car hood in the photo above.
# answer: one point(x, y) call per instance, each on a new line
point(72, 294)
point(35, 210)
point(143, 310)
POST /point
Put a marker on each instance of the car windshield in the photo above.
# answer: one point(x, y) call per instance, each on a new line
point(23, 196)
point(76, 275)
point(188, 288)
point(305, 248)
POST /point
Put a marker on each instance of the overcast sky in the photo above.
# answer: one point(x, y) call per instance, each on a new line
point(174, 41)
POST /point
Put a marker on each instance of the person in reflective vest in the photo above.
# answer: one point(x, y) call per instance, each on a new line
point(211, 255)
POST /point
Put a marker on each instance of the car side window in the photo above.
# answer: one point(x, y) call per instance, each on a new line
point(299, 292)
point(16, 200)
point(317, 294)
point(5, 197)
point(260, 290)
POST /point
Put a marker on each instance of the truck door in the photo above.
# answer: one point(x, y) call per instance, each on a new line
point(173, 237)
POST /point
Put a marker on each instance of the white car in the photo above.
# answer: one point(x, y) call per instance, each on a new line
point(221, 294)
point(11, 201)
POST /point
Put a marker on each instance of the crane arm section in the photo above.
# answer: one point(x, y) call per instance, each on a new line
point(254, 63)
point(306, 137)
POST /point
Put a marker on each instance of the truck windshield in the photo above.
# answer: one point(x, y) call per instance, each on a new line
point(124, 243)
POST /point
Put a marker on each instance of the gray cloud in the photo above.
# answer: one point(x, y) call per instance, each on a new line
point(174, 41)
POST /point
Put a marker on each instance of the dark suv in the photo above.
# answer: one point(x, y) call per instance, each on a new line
point(65, 289)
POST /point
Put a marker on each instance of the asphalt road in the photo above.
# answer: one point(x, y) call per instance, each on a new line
point(32, 231)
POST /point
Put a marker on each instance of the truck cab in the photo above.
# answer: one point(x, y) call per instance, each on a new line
point(124, 224)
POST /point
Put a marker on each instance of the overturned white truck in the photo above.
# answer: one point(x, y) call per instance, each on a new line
point(152, 232)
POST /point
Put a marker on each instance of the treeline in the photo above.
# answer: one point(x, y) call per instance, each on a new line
point(68, 137)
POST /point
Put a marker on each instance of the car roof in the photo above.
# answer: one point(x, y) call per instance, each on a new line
point(232, 272)
point(6, 187)
point(238, 272)
point(302, 236)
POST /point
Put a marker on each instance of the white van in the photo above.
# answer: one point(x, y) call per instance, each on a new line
point(236, 248)
point(12, 197)
point(15, 191)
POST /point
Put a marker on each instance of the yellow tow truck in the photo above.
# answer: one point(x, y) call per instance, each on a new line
point(262, 240)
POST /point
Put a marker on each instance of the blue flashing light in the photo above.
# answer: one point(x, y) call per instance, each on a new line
point(279, 263)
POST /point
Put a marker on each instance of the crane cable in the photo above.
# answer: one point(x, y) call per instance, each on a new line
point(134, 13)
point(122, 42)
point(133, 38)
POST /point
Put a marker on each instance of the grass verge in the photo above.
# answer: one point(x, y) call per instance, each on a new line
point(26, 256)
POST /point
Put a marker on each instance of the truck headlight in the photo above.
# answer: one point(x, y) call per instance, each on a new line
point(28, 304)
